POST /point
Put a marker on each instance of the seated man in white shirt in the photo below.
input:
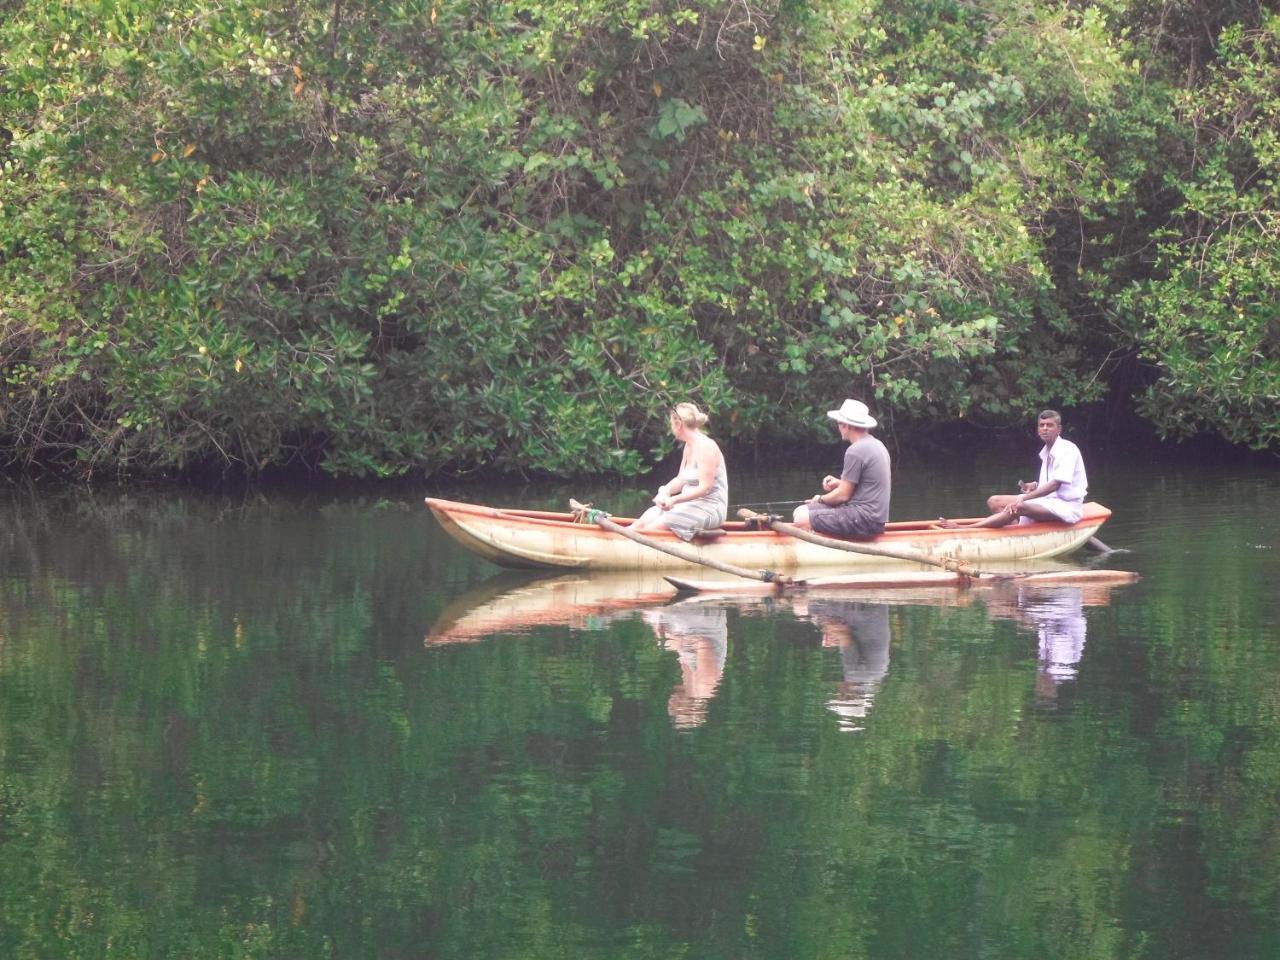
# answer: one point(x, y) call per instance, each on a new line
point(1057, 495)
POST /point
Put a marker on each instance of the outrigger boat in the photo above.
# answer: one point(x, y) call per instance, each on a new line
point(540, 539)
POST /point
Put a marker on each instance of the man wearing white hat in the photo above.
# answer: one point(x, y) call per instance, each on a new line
point(856, 503)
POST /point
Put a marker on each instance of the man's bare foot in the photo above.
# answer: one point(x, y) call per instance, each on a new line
point(946, 524)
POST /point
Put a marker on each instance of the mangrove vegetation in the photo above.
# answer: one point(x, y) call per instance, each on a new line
point(434, 235)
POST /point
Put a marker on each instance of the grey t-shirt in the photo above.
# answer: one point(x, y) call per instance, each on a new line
point(866, 466)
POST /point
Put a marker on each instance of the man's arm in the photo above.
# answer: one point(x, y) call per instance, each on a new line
point(1039, 490)
point(842, 492)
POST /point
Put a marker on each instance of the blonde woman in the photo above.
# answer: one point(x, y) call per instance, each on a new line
point(697, 498)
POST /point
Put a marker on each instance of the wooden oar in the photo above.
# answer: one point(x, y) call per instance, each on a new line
point(601, 519)
point(894, 553)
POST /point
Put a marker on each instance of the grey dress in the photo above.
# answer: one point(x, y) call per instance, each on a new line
point(705, 513)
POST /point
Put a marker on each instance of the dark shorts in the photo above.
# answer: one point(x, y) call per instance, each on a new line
point(842, 521)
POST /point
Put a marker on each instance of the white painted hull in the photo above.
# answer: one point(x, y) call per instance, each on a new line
point(533, 539)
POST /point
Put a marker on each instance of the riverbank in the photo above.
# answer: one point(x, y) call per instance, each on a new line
point(951, 444)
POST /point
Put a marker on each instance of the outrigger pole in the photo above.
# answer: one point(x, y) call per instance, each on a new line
point(587, 514)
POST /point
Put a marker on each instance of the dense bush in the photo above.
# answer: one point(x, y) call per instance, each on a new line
point(430, 234)
point(1208, 317)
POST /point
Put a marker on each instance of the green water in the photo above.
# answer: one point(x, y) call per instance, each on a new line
point(223, 734)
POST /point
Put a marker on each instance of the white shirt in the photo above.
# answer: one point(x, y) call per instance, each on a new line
point(1063, 462)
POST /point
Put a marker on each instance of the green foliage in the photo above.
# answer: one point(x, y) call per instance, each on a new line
point(435, 236)
point(1208, 321)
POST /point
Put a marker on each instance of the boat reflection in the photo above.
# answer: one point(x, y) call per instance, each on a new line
point(518, 602)
point(697, 630)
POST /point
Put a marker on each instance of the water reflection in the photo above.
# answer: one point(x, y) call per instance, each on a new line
point(698, 631)
point(1055, 614)
point(860, 631)
point(519, 602)
point(220, 734)
point(699, 637)
point(1058, 619)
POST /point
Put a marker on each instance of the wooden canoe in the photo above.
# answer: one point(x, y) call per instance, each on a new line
point(539, 539)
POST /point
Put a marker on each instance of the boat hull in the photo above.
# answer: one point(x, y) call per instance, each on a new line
point(535, 539)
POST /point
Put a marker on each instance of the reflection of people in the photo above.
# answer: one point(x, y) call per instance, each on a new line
point(1057, 614)
point(697, 498)
point(856, 503)
point(861, 631)
point(1057, 495)
point(699, 637)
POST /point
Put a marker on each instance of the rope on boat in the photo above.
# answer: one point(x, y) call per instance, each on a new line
point(585, 513)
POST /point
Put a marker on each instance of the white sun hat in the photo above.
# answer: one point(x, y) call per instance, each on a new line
point(854, 413)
